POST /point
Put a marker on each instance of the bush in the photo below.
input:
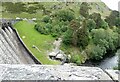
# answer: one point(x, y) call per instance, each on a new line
point(67, 38)
point(37, 26)
point(104, 24)
point(48, 26)
point(46, 19)
point(75, 59)
point(91, 24)
point(97, 52)
point(31, 10)
point(84, 9)
point(64, 28)
point(65, 15)
point(54, 35)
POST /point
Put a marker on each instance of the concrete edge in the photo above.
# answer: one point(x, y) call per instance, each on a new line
point(26, 48)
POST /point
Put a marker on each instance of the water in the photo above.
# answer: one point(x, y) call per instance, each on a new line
point(109, 62)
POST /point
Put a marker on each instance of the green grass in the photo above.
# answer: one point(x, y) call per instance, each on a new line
point(48, 5)
point(21, 15)
point(32, 37)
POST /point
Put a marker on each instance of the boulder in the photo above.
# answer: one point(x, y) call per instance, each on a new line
point(60, 56)
point(52, 54)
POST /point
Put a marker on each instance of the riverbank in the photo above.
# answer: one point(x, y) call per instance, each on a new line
point(109, 61)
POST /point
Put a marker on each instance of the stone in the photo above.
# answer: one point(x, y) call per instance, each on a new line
point(23, 37)
point(52, 54)
point(52, 72)
point(17, 18)
point(113, 73)
point(60, 56)
point(33, 19)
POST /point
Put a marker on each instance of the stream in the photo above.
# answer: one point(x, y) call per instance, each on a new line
point(108, 62)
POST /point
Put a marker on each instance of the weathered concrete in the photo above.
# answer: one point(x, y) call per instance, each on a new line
point(11, 50)
point(114, 74)
point(51, 72)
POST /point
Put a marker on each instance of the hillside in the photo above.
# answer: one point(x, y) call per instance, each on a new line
point(83, 28)
point(51, 7)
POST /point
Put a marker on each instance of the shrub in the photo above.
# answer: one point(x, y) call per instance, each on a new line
point(91, 24)
point(97, 53)
point(64, 28)
point(46, 19)
point(75, 59)
point(84, 9)
point(67, 38)
point(65, 15)
point(48, 26)
point(54, 35)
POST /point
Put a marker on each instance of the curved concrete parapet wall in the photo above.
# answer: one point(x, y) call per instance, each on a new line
point(30, 53)
point(52, 72)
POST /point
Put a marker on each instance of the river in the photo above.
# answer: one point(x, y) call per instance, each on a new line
point(108, 62)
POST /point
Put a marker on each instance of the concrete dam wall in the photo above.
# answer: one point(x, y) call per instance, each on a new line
point(13, 55)
point(11, 50)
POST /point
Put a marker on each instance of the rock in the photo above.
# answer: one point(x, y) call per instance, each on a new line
point(17, 18)
point(69, 64)
point(25, 19)
point(60, 56)
point(52, 72)
point(52, 54)
point(33, 19)
point(23, 37)
point(33, 46)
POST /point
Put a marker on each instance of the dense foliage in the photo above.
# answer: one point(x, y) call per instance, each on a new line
point(90, 33)
point(14, 7)
point(113, 19)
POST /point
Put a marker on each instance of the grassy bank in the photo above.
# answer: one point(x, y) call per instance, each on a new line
point(31, 37)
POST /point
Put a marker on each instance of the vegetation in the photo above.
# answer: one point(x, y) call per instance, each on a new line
point(113, 19)
point(84, 9)
point(32, 37)
point(85, 34)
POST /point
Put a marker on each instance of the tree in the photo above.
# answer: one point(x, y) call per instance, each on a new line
point(46, 19)
point(104, 24)
point(67, 38)
point(48, 27)
point(91, 24)
point(84, 9)
point(65, 15)
point(113, 19)
point(117, 23)
point(105, 38)
point(76, 35)
point(97, 53)
point(97, 18)
point(83, 36)
point(75, 25)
